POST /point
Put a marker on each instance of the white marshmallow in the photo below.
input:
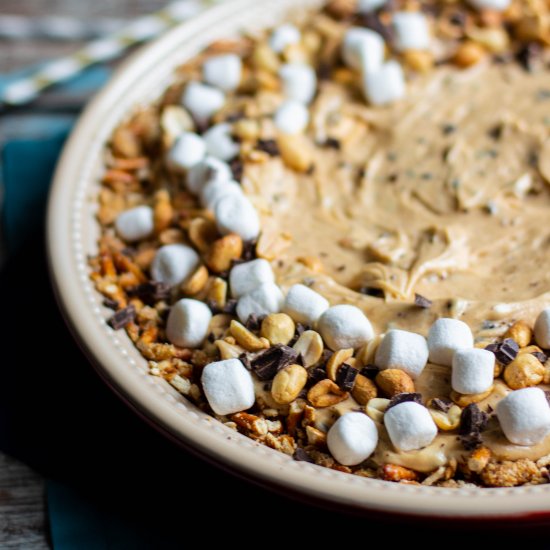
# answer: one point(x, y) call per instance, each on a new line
point(219, 142)
point(209, 169)
point(524, 416)
point(236, 214)
point(345, 326)
point(412, 31)
point(352, 438)
point(410, 426)
point(228, 386)
point(473, 370)
point(542, 329)
point(363, 49)
point(263, 300)
point(223, 71)
point(366, 6)
point(188, 150)
point(214, 190)
point(299, 81)
point(292, 117)
point(248, 276)
point(284, 36)
point(173, 263)
point(403, 350)
point(304, 305)
point(445, 337)
point(497, 5)
point(135, 224)
point(385, 84)
point(188, 323)
point(202, 100)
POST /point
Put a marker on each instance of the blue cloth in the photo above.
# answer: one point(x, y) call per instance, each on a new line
point(114, 482)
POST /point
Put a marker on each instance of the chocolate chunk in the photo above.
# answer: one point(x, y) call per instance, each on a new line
point(370, 371)
point(371, 291)
point(422, 301)
point(110, 303)
point(269, 146)
point(233, 117)
point(472, 422)
point(496, 132)
point(249, 251)
point(403, 398)
point(301, 455)
point(505, 351)
point(345, 377)
point(150, 292)
point(441, 404)
point(237, 168)
point(230, 306)
point(122, 317)
point(373, 21)
point(542, 357)
point(332, 143)
point(316, 375)
point(254, 322)
point(529, 56)
point(324, 71)
point(267, 363)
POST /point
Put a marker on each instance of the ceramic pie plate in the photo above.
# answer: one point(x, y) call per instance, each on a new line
point(72, 233)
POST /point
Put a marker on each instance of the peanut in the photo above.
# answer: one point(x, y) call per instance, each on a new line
point(248, 340)
point(462, 400)
point(521, 332)
point(364, 390)
point(266, 59)
point(394, 381)
point(223, 251)
point(202, 233)
point(278, 328)
point(419, 60)
point(288, 383)
point(162, 211)
point(376, 407)
point(296, 151)
point(325, 394)
point(227, 350)
point(310, 346)
point(337, 359)
point(316, 437)
point(196, 282)
point(524, 371)
point(468, 54)
point(478, 459)
point(366, 354)
point(449, 420)
point(218, 292)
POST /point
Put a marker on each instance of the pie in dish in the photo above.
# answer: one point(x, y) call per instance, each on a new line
point(331, 236)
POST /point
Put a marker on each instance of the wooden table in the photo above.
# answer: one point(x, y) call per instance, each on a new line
point(23, 523)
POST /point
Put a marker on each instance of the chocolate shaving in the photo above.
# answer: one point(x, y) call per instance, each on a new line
point(269, 146)
point(237, 168)
point(345, 377)
point(547, 394)
point(254, 322)
point(542, 357)
point(267, 363)
point(472, 422)
point(422, 301)
point(529, 56)
point(122, 317)
point(403, 398)
point(441, 404)
point(302, 456)
point(110, 303)
point(505, 351)
point(372, 21)
point(370, 371)
point(448, 129)
point(332, 143)
point(229, 307)
point(249, 251)
point(496, 132)
point(150, 292)
point(316, 375)
point(324, 70)
point(372, 291)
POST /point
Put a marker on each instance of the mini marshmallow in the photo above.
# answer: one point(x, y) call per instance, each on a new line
point(363, 49)
point(202, 100)
point(367, 6)
point(173, 263)
point(412, 31)
point(228, 386)
point(188, 323)
point(135, 224)
point(236, 214)
point(292, 117)
point(473, 370)
point(284, 36)
point(445, 337)
point(352, 438)
point(188, 150)
point(214, 190)
point(223, 71)
point(524, 416)
point(403, 350)
point(542, 329)
point(299, 81)
point(209, 169)
point(345, 326)
point(304, 305)
point(246, 277)
point(385, 84)
point(219, 142)
point(263, 300)
point(496, 5)
point(410, 426)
